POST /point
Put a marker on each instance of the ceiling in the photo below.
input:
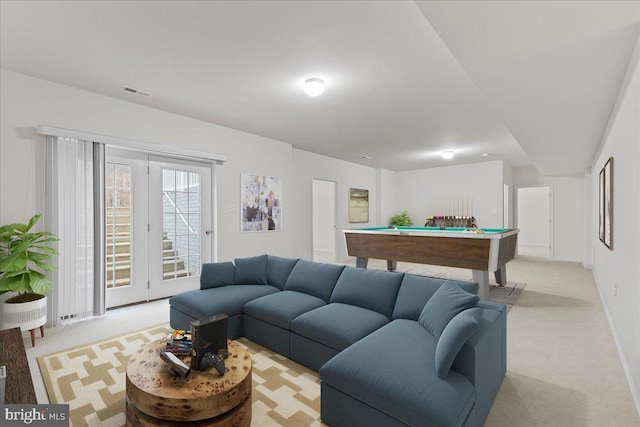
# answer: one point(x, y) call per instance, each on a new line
point(531, 83)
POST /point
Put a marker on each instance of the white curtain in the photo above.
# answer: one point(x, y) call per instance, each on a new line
point(73, 189)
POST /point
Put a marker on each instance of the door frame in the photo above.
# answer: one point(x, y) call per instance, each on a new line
point(517, 219)
point(335, 216)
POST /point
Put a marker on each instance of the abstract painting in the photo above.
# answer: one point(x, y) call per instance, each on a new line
point(261, 203)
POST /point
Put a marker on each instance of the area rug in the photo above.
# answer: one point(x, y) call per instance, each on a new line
point(91, 379)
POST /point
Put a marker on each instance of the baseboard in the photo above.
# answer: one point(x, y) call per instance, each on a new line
point(623, 359)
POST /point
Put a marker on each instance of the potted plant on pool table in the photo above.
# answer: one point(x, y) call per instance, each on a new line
point(23, 256)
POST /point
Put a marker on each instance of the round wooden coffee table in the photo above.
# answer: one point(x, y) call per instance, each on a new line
point(204, 399)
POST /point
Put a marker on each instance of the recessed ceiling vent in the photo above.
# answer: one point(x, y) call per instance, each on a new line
point(136, 91)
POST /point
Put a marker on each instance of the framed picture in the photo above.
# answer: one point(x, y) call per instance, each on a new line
point(358, 205)
point(605, 203)
point(261, 201)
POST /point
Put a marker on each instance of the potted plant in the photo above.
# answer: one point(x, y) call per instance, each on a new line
point(401, 220)
point(22, 254)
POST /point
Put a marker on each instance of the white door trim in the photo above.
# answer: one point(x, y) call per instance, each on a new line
point(335, 217)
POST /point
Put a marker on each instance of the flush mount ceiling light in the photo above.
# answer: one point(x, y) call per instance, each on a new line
point(447, 155)
point(313, 86)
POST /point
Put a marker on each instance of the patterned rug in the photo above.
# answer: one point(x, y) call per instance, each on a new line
point(91, 379)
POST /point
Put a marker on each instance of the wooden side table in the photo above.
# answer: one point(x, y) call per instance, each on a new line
point(18, 385)
point(204, 399)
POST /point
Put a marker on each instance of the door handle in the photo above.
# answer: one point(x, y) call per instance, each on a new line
point(208, 232)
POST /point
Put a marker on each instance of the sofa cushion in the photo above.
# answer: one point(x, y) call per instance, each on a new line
point(415, 291)
point(455, 334)
point(338, 325)
point(449, 300)
point(281, 308)
point(314, 278)
point(392, 370)
point(251, 271)
point(216, 274)
point(279, 269)
point(370, 289)
point(223, 300)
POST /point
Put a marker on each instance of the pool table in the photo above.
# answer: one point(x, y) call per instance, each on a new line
point(480, 250)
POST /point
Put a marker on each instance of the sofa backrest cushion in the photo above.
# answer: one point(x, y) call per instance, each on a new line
point(279, 269)
point(314, 278)
point(455, 334)
point(251, 271)
point(215, 274)
point(415, 292)
point(370, 289)
point(449, 300)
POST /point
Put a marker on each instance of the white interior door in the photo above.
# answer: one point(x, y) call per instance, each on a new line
point(324, 220)
point(180, 225)
point(126, 208)
point(534, 221)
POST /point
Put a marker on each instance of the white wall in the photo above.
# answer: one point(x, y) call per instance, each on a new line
point(617, 271)
point(482, 180)
point(324, 210)
point(387, 185)
point(26, 102)
point(347, 175)
point(568, 215)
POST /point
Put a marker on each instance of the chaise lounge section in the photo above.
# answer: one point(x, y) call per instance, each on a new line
point(392, 349)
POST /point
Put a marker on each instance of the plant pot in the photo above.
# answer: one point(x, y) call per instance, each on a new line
point(24, 315)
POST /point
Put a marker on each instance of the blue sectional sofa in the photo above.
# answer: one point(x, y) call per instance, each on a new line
point(392, 349)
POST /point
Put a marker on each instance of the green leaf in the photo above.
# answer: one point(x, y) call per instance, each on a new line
point(33, 221)
point(38, 256)
point(19, 246)
point(47, 249)
point(40, 284)
point(45, 266)
point(43, 239)
point(9, 274)
point(13, 262)
point(22, 228)
point(16, 284)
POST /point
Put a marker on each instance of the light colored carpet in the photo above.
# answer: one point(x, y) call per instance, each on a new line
point(91, 379)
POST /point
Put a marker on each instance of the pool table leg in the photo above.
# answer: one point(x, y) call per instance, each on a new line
point(482, 277)
point(392, 265)
point(501, 275)
point(362, 262)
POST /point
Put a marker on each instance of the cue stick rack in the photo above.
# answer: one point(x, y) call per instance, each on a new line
point(456, 210)
point(443, 221)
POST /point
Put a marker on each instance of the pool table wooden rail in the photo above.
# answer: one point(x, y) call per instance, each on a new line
point(481, 252)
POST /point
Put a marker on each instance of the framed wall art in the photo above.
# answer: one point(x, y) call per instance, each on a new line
point(261, 203)
point(358, 205)
point(605, 203)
